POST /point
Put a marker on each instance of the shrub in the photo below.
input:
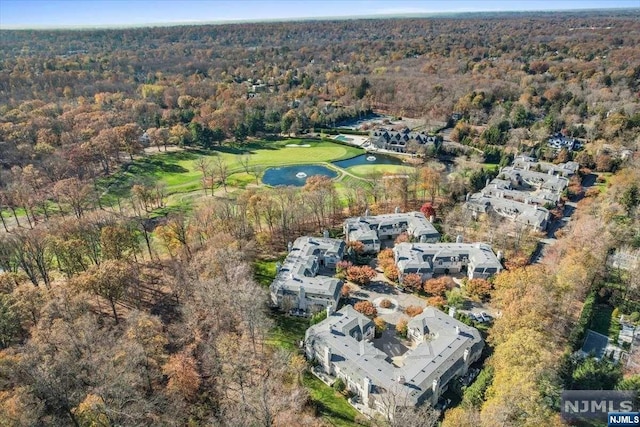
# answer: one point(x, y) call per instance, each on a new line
point(391, 273)
point(339, 385)
point(402, 327)
point(318, 317)
point(380, 324)
point(385, 258)
point(413, 310)
point(437, 301)
point(412, 281)
point(367, 308)
point(428, 210)
point(346, 291)
point(385, 303)
point(478, 289)
point(341, 269)
point(360, 274)
point(436, 287)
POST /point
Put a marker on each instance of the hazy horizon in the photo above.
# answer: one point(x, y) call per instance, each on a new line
point(84, 14)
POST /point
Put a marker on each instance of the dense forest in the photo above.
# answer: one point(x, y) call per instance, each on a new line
point(119, 306)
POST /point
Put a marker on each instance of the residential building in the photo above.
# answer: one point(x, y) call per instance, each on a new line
point(386, 139)
point(530, 215)
point(559, 141)
point(304, 281)
point(371, 230)
point(439, 349)
point(429, 259)
point(523, 192)
point(529, 163)
point(546, 181)
point(500, 188)
point(625, 258)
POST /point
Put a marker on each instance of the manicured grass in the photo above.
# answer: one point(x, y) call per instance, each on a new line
point(602, 321)
point(264, 271)
point(179, 172)
point(241, 180)
point(331, 405)
point(364, 170)
point(288, 331)
point(602, 186)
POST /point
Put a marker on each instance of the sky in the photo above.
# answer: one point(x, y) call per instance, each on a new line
point(91, 13)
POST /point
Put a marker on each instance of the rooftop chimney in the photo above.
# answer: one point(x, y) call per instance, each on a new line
point(366, 212)
point(289, 246)
point(325, 234)
point(397, 209)
point(459, 238)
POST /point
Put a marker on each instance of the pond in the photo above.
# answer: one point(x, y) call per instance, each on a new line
point(368, 159)
point(295, 175)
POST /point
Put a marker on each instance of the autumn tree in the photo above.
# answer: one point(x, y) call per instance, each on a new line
point(428, 210)
point(108, 280)
point(413, 310)
point(75, 193)
point(366, 307)
point(402, 327)
point(412, 281)
point(478, 289)
point(361, 274)
point(437, 287)
point(380, 325)
point(182, 372)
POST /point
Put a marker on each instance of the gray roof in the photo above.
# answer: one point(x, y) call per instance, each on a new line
point(415, 223)
point(299, 267)
point(435, 358)
point(596, 343)
point(530, 163)
point(502, 188)
point(523, 213)
point(423, 255)
point(544, 180)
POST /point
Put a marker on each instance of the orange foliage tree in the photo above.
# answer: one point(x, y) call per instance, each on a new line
point(366, 307)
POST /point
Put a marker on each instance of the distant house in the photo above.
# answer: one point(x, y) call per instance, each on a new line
point(500, 188)
point(386, 139)
point(370, 230)
point(530, 215)
point(304, 281)
point(558, 142)
point(520, 192)
point(535, 179)
point(429, 259)
point(440, 350)
point(529, 163)
point(624, 259)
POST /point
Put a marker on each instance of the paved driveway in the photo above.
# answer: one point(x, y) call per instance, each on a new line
point(380, 288)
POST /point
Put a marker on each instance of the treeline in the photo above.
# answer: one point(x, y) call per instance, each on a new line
point(59, 89)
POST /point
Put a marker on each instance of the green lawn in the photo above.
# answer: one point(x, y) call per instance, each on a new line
point(264, 271)
point(287, 331)
point(178, 170)
point(331, 405)
point(602, 321)
point(365, 170)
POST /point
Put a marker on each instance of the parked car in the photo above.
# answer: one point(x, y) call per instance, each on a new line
point(486, 316)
